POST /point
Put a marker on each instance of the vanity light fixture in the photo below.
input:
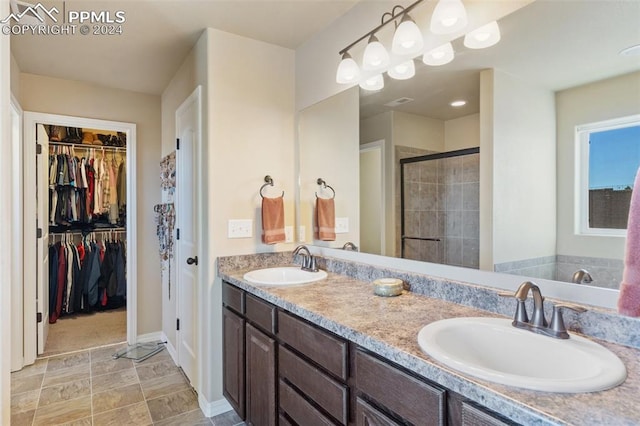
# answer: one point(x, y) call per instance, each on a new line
point(458, 103)
point(448, 17)
point(348, 70)
point(375, 82)
point(485, 36)
point(375, 57)
point(403, 71)
point(441, 55)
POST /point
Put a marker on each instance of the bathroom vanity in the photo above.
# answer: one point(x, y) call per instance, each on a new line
point(331, 352)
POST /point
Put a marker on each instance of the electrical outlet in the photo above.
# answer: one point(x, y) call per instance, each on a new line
point(342, 225)
point(240, 228)
point(302, 234)
point(288, 234)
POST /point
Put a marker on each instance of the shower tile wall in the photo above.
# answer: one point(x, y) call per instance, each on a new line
point(442, 201)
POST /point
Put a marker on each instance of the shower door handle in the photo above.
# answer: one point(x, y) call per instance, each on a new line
point(192, 260)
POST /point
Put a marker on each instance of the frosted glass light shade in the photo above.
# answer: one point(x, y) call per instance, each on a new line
point(376, 57)
point(403, 71)
point(439, 56)
point(348, 70)
point(449, 16)
point(375, 82)
point(407, 39)
point(485, 36)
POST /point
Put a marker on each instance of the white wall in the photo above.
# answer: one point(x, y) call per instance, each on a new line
point(417, 131)
point(192, 72)
point(5, 230)
point(603, 100)
point(65, 97)
point(251, 109)
point(461, 133)
point(328, 149)
point(522, 156)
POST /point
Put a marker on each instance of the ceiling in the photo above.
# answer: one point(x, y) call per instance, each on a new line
point(158, 35)
point(553, 44)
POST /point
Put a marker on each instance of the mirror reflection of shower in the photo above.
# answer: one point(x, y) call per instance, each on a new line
point(439, 206)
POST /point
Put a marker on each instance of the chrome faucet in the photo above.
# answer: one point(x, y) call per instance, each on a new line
point(521, 295)
point(308, 261)
point(538, 323)
point(581, 276)
point(350, 246)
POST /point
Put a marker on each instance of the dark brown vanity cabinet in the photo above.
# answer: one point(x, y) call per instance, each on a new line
point(249, 366)
point(395, 391)
point(281, 369)
point(313, 370)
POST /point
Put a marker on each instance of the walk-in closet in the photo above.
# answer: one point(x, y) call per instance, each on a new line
point(85, 174)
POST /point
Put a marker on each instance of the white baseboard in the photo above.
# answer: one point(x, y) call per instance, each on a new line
point(211, 409)
point(170, 348)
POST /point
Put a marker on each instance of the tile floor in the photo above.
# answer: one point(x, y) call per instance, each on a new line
point(91, 388)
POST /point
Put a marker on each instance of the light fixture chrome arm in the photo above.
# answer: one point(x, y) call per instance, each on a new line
point(393, 17)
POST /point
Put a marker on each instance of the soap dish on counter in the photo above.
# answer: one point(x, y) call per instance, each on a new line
point(387, 287)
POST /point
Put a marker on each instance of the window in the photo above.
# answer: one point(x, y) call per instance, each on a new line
point(609, 157)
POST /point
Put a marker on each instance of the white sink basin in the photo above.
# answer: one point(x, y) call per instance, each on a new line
point(282, 276)
point(494, 350)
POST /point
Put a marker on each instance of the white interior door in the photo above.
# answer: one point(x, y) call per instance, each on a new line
point(188, 134)
point(42, 202)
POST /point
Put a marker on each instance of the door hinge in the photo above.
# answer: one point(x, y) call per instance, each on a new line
point(38, 149)
point(178, 324)
point(177, 233)
point(177, 143)
point(39, 233)
point(39, 317)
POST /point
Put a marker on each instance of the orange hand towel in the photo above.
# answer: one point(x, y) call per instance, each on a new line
point(273, 220)
point(326, 219)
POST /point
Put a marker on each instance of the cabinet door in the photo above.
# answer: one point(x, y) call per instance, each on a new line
point(261, 378)
point(366, 415)
point(233, 361)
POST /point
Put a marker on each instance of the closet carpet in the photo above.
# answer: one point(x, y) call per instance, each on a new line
point(91, 388)
point(77, 332)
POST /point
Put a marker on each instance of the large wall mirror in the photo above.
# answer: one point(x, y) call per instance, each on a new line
point(404, 162)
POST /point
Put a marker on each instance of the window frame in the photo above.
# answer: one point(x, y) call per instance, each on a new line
point(582, 133)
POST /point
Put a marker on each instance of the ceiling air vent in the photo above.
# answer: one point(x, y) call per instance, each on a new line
point(398, 102)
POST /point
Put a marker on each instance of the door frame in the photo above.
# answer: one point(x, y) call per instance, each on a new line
point(30, 119)
point(17, 238)
point(194, 98)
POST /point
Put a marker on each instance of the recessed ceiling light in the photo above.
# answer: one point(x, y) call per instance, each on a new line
point(632, 50)
point(458, 103)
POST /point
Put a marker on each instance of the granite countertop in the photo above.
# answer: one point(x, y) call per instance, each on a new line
point(347, 307)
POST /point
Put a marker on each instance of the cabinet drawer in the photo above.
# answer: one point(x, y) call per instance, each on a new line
point(408, 397)
point(261, 313)
point(299, 409)
point(326, 392)
point(320, 346)
point(367, 415)
point(233, 297)
point(474, 416)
